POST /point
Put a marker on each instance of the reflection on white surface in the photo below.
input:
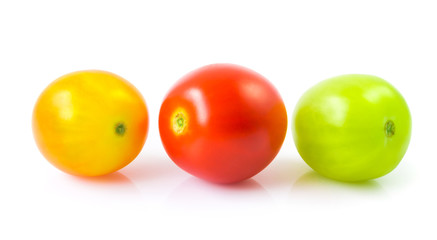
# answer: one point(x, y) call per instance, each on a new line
point(197, 194)
point(104, 189)
point(312, 188)
point(197, 97)
point(286, 181)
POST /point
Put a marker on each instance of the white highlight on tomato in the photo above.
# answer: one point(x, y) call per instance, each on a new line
point(197, 97)
point(63, 102)
point(336, 108)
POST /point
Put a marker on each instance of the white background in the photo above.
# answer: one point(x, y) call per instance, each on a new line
point(295, 44)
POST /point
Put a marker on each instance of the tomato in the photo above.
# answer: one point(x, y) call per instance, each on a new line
point(90, 123)
point(222, 123)
point(352, 127)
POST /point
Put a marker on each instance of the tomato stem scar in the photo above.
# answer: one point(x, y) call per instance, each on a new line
point(179, 123)
point(120, 129)
point(389, 128)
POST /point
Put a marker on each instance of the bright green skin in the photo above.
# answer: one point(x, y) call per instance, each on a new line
point(340, 127)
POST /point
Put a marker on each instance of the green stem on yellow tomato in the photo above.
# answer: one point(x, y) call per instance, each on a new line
point(120, 129)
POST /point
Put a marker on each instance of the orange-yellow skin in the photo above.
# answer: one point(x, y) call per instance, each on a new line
point(90, 123)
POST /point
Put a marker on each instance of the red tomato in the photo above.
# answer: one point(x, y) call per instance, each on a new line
point(223, 123)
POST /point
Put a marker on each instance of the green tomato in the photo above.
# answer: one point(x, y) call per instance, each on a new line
point(352, 127)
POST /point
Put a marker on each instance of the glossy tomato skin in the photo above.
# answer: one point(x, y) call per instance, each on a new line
point(352, 127)
point(90, 123)
point(232, 123)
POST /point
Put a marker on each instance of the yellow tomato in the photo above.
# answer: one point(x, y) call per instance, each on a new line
point(90, 123)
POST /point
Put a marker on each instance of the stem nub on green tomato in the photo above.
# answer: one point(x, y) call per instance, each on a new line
point(352, 127)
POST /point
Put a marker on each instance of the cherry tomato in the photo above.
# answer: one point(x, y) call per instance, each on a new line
point(90, 123)
point(223, 123)
point(352, 127)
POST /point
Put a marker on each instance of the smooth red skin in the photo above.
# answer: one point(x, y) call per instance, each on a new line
point(242, 130)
